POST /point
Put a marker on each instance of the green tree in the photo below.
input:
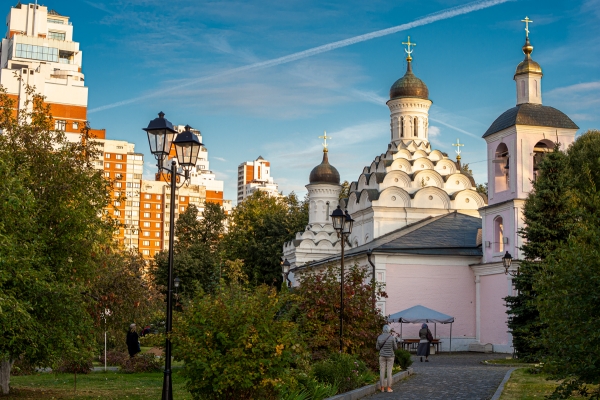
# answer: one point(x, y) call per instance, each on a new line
point(345, 192)
point(548, 221)
point(197, 250)
point(319, 311)
point(238, 343)
point(258, 228)
point(568, 280)
point(53, 247)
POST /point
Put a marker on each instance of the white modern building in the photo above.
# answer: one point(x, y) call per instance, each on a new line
point(255, 176)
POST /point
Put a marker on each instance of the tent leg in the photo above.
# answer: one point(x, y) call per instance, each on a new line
point(400, 329)
point(451, 337)
point(435, 330)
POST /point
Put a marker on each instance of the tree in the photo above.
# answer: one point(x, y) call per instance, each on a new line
point(548, 222)
point(482, 188)
point(345, 192)
point(568, 279)
point(197, 250)
point(54, 229)
point(319, 310)
point(259, 226)
point(237, 343)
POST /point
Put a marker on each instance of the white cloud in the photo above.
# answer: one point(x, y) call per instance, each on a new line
point(219, 158)
point(434, 131)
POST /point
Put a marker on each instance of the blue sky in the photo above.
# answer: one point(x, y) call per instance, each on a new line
point(182, 53)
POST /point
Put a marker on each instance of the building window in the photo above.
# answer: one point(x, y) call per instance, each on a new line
point(146, 224)
point(148, 196)
point(56, 21)
point(146, 233)
point(60, 125)
point(182, 198)
point(523, 88)
point(158, 206)
point(182, 209)
point(118, 184)
point(501, 168)
point(117, 213)
point(157, 244)
point(135, 204)
point(146, 252)
point(147, 205)
point(75, 125)
point(157, 234)
point(107, 155)
point(539, 152)
point(146, 215)
point(42, 53)
point(117, 203)
point(119, 166)
point(157, 225)
point(107, 165)
point(119, 156)
point(158, 215)
point(107, 174)
point(498, 235)
point(158, 197)
point(146, 243)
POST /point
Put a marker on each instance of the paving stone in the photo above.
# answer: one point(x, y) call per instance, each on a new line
point(447, 377)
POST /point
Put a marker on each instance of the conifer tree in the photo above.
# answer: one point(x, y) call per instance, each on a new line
point(548, 221)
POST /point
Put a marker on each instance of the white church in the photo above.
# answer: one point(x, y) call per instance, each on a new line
point(432, 238)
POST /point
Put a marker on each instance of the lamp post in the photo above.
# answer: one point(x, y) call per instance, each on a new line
point(176, 284)
point(285, 271)
point(161, 137)
point(107, 313)
point(342, 223)
point(507, 261)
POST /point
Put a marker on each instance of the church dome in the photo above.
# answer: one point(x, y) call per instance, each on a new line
point(324, 172)
point(409, 86)
point(528, 66)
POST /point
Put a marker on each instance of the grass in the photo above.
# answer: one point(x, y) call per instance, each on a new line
point(509, 362)
point(98, 385)
point(524, 385)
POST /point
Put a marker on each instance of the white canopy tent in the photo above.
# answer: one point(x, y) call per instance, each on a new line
point(420, 314)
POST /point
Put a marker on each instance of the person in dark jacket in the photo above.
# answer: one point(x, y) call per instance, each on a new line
point(133, 341)
point(424, 343)
point(386, 344)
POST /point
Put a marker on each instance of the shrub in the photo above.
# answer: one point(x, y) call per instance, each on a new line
point(403, 358)
point(237, 343)
point(114, 357)
point(75, 367)
point(22, 367)
point(319, 306)
point(153, 340)
point(141, 363)
point(345, 371)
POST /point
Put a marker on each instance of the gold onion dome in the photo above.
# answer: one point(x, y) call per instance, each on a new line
point(324, 172)
point(528, 66)
point(409, 86)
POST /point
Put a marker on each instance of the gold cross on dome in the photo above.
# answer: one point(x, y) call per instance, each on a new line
point(408, 50)
point(527, 22)
point(458, 145)
point(324, 137)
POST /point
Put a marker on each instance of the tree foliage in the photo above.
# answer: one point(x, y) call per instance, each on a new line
point(319, 311)
point(197, 250)
point(548, 221)
point(237, 343)
point(258, 228)
point(569, 277)
point(52, 234)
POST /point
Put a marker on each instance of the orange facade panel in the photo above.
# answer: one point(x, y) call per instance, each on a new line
point(249, 174)
point(214, 197)
point(98, 133)
point(68, 111)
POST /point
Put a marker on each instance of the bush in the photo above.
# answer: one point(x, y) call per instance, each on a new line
point(403, 359)
point(237, 343)
point(153, 340)
point(345, 371)
point(141, 363)
point(75, 367)
point(22, 367)
point(114, 358)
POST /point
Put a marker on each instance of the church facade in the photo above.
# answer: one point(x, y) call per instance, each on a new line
point(421, 226)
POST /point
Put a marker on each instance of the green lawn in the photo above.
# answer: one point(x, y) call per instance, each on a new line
point(523, 385)
point(98, 385)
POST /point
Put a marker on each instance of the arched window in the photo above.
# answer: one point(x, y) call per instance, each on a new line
point(327, 212)
point(523, 88)
point(535, 84)
point(539, 151)
point(416, 131)
point(501, 166)
point(498, 235)
point(401, 126)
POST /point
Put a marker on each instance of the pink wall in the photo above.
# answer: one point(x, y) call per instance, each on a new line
point(510, 231)
point(449, 289)
point(492, 290)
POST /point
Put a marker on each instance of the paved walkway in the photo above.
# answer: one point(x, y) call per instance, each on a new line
point(449, 377)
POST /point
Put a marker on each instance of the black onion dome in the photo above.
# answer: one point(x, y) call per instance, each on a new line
point(409, 86)
point(324, 172)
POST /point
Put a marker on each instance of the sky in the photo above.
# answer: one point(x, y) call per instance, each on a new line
point(266, 78)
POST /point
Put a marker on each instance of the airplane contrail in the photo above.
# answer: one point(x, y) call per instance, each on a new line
point(440, 15)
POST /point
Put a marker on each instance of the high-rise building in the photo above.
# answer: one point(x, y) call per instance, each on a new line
point(255, 176)
point(38, 50)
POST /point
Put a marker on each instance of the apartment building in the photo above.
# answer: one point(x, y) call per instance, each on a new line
point(38, 50)
point(255, 176)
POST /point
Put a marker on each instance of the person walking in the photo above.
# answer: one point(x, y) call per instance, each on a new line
point(426, 338)
point(386, 344)
point(133, 341)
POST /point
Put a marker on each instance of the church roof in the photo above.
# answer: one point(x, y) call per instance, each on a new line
point(531, 114)
point(409, 86)
point(452, 234)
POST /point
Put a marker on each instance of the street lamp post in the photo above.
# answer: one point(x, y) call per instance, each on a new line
point(342, 223)
point(506, 262)
point(285, 271)
point(161, 137)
